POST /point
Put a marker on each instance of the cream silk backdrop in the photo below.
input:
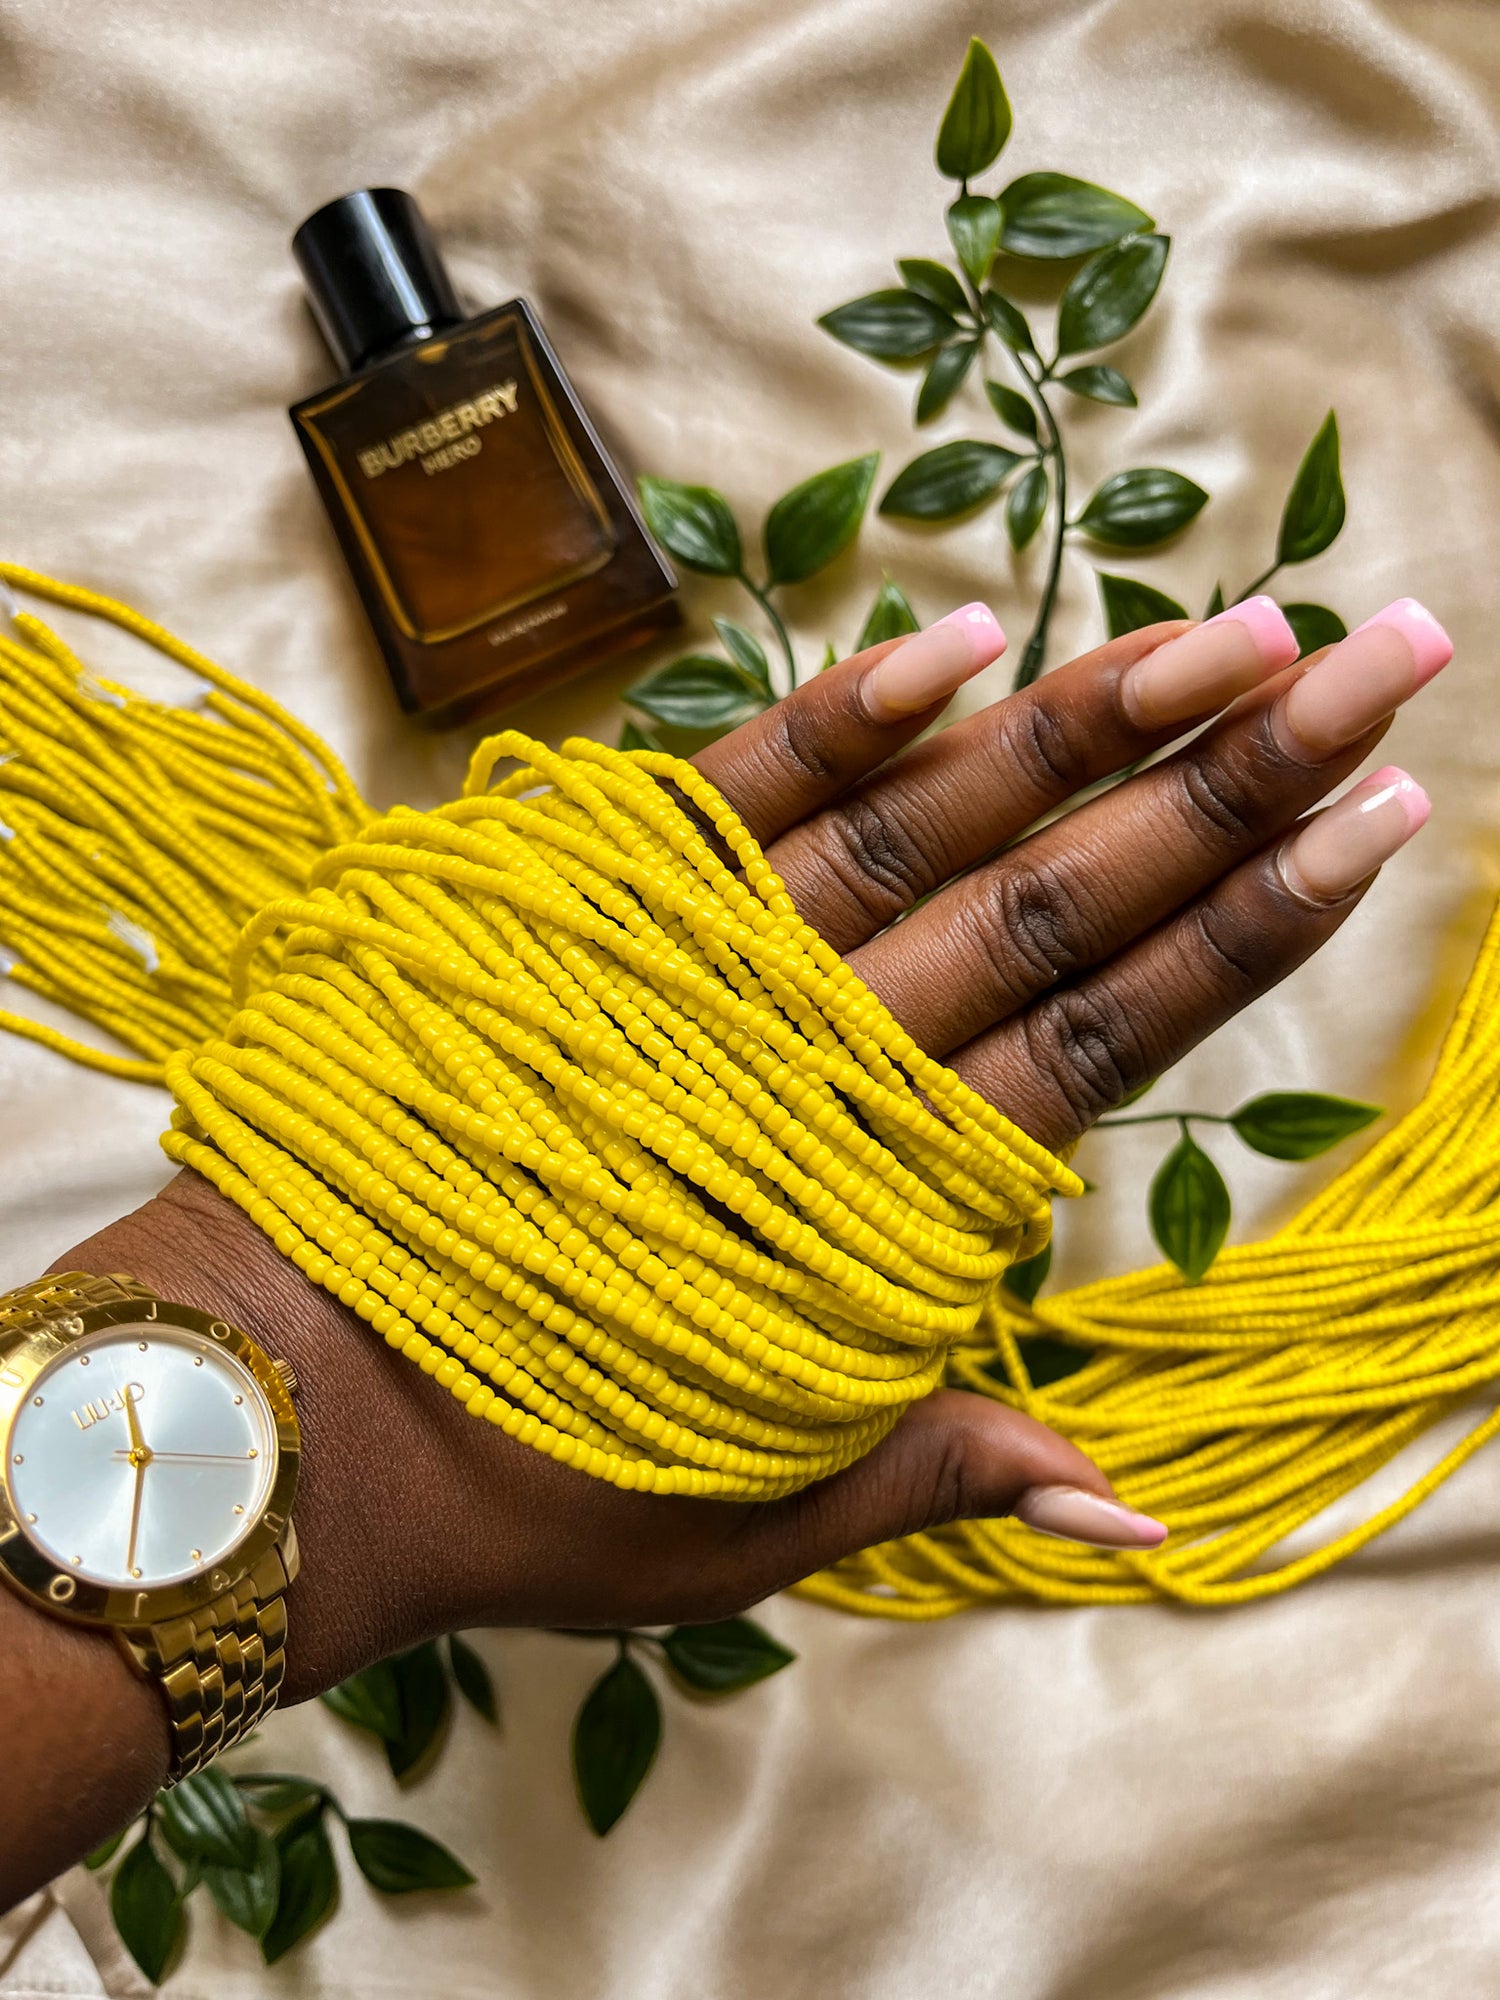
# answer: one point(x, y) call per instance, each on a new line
point(1301, 1799)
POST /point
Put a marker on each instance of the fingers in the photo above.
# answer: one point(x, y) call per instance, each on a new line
point(953, 1456)
point(805, 751)
point(1074, 1055)
point(950, 802)
point(1078, 891)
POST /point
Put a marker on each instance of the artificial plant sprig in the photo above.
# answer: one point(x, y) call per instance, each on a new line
point(807, 528)
point(1311, 521)
point(258, 1843)
point(802, 534)
point(945, 316)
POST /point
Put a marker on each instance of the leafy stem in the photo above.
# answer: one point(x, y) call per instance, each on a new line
point(1182, 1118)
point(1035, 653)
point(762, 596)
point(1259, 583)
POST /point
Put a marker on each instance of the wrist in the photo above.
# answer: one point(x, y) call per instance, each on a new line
point(359, 1594)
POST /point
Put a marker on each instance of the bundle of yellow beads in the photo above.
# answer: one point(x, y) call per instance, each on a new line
point(554, 1088)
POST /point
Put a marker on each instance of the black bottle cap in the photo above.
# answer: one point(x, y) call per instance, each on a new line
point(374, 275)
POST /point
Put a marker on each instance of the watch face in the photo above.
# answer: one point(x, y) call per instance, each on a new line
point(140, 1456)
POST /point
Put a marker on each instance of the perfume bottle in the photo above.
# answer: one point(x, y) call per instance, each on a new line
point(496, 549)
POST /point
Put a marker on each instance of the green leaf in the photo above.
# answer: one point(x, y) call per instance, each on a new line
point(1025, 505)
point(746, 651)
point(1314, 511)
point(890, 325)
point(633, 737)
point(1048, 1360)
point(473, 1678)
point(105, 1852)
point(1135, 510)
point(949, 480)
point(945, 372)
point(370, 1700)
point(698, 692)
point(1100, 385)
point(1012, 408)
point(203, 1819)
point(1053, 215)
point(974, 232)
point(692, 523)
point(934, 281)
point(1024, 1280)
point(276, 1794)
point(397, 1859)
point(614, 1741)
point(309, 1886)
point(147, 1909)
point(425, 1706)
point(891, 617)
point(1009, 322)
point(977, 122)
point(1216, 603)
point(817, 520)
point(1300, 1124)
point(1189, 1208)
point(1130, 604)
point(830, 657)
point(721, 1658)
point(1315, 625)
point(1108, 295)
point(248, 1896)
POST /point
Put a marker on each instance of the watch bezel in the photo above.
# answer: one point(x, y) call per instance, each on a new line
point(27, 1568)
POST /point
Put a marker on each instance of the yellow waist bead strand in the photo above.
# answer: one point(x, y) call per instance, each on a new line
point(556, 1091)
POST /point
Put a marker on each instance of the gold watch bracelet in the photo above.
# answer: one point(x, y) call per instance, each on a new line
point(219, 1667)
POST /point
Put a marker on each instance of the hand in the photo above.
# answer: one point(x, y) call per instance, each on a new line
point(1056, 972)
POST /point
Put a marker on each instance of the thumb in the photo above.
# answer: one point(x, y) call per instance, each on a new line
point(953, 1456)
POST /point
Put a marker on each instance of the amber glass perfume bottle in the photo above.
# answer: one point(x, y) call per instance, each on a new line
point(496, 548)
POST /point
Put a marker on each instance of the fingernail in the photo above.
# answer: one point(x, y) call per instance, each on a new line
point(1381, 664)
point(1333, 853)
point(1075, 1515)
point(929, 665)
point(1209, 666)
point(1431, 647)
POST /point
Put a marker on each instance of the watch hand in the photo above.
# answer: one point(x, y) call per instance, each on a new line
point(137, 1442)
point(135, 1512)
point(169, 1457)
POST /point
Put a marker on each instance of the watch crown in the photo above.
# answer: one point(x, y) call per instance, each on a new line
point(288, 1375)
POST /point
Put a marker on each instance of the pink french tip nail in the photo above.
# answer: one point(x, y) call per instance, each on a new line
point(1331, 854)
point(1431, 647)
point(981, 625)
point(1274, 638)
point(1214, 663)
point(932, 664)
point(1401, 788)
point(1073, 1514)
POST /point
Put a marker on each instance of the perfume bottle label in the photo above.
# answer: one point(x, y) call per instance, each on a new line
point(514, 516)
point(452, 424)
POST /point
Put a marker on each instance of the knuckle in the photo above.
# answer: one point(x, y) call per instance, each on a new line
point(945, 1493)
point(800, 737)
point(1042, 747)
point(1232, 947)
point(1086, 1044)
point(1034, 916)
point(875, 856)
point(1214, 804)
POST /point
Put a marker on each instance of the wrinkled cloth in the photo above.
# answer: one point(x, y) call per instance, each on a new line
point(1296, 1800)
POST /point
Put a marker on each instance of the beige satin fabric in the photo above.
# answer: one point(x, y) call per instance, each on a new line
point(1297, 1800)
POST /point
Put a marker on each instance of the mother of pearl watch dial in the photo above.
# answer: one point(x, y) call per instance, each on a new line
point(140, 1456)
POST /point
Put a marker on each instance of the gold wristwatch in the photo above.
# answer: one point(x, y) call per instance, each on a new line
point(150, 1462)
